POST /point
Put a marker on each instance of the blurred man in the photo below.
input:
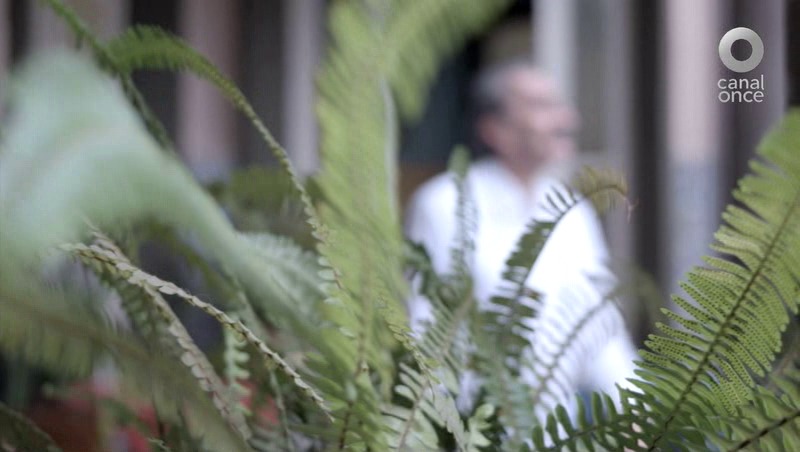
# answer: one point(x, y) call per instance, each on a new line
point(529, 130)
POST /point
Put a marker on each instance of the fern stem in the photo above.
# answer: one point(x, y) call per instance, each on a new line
point(542, 383)
point(276, 389)
point(792, 351)
point(779, 423)
point(611, 188)
point(366, 332)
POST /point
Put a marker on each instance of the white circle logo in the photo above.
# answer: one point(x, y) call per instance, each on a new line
point(726, 43)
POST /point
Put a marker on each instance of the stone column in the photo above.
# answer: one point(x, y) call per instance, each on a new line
point(206, 122)
point(555, 41)
point(689, 168)
point(303, 35)
point(45, 29)
point(617, 106)
point(5, 48)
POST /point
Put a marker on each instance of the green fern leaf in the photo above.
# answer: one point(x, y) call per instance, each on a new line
point(152, 316)
point(104, 57)
point(443, 346)
point(109, 172)
point(599, 425)
point(153, 284)
point(420, 34)
point(62, 332)
point(603, 318)
point(441, 353)
point(734, 329)
point(515, 302)
point(146, 47)
point(236, 372)
point(509, 320)
point(466, 223)
point(356, 113)
point(543, 366)
point(770, 422)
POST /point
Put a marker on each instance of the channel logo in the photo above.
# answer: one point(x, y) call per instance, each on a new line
point(741, 88)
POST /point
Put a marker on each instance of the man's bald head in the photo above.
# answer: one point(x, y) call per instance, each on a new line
point(491, 87)
point(521, 116)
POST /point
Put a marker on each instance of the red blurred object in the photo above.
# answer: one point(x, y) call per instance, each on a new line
point(72, 422)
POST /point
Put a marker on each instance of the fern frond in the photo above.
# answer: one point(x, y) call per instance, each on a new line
point(152, 316)
point(770, 422)
point(147, 47)
point(601, 318)
point(110, 172)
point(105, 58)
point(144, 47)
point(356, 114)
point(504, 390)
point(511, 317)
point(734, 329)
point(152, 284)
point(516, 302)
point(476, 425)
point(466, 222)
point(546, 362)
point(360, 215)
point(19, 433)
point(151, 48)
point(441, 352)
point(442, 346)
point(420, 34)
point(157, 445)
point(293, 269)
point(59, 331)
point(599, 425)
point(522, 405)
point(236, 373)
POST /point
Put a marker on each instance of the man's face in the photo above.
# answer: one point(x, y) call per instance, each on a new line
point(535, 126)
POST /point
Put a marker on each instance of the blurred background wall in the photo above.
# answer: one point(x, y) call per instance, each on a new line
point(643, 74)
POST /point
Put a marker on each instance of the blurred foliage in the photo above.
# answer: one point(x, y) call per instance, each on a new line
point(308, 283)
point(260, 199)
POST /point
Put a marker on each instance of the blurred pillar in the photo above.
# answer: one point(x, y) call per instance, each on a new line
point(617, 105)
point(206, 123)
point(5, 48)
point(747, 123)
point(792, 51)
point(303, 34)
point(555, 41)
point(45, 29)
point(690, 165)
point(587, 46)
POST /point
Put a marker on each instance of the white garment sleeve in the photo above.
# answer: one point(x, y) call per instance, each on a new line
point(613, 362)
point(613, 366)
point(430, 221)
point(572, 276)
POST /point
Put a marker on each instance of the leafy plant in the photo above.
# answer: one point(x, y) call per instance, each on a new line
point(317, 334)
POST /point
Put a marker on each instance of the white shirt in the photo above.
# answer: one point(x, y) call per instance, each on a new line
point(574, 252)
